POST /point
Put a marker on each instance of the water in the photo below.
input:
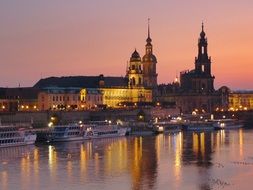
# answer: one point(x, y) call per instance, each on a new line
point(214, 160)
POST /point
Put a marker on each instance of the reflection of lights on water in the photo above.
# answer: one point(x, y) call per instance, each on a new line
point(241, 142)
point(202, 143)
point(52, 159)
point(178, 155)
point(4, 179)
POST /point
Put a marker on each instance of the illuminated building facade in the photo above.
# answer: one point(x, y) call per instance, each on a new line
point(240, 100)
point(69, 99)
point(120, 97)
point(90, 92)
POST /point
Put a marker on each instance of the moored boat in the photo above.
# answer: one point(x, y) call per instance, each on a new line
point(227, 124)
point(103, 130)
point(198, 126)
point(12, 135)
point(69, 132)
point(167, 127)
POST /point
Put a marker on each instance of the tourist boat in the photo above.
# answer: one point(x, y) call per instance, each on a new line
point(227, 124)
point(167, 127)
point(96, 130)
point(12, 135)
point(69, 132)
point(198, 126)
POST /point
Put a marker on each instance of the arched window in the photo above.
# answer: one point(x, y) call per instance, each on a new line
point(140, 80)
point(133, 81)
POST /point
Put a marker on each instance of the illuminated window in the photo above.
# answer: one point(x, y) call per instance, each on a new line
point(202, 68)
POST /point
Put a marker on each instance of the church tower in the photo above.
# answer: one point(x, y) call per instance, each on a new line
point(134, 72)
point(204, 79)
point(149, 64)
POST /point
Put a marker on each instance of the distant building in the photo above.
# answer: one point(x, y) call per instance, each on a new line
point(195, 92)
point(18, 99)
point(149, 62)
point(69, 99)
point(200, 80)
point(88, 92)
point(240, 100)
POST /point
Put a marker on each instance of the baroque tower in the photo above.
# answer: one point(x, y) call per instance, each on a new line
point(134, 72)
point(204, 83)
point(199, 80)
point(149, 64)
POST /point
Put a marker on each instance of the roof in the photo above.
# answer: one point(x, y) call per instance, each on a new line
point(20, 92)
point(81, 82)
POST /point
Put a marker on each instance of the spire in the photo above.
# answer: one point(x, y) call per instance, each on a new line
point(148, 39)
point(202, 33)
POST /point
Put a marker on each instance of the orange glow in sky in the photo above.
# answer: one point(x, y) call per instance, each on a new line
point(46, 38)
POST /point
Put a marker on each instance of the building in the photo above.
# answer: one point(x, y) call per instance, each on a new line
point(18, 99)
point(87, 92)
point(195, 92)
point(240, 100)
point(56, 98)
point(149, 62)
point(200, 80)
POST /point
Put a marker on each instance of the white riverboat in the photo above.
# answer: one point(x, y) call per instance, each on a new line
point(167, 127)
point(198, 126)
point(69, 132)
point(227, 124)
point(16, 136)
point(97, 130)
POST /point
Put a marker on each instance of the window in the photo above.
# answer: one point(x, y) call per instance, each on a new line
point(203, 68)
point(133, 67)
point(202, 49)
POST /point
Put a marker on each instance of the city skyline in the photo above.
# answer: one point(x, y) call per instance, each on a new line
point(42, 39)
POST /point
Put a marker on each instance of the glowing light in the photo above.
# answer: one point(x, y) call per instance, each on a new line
point(50, 124)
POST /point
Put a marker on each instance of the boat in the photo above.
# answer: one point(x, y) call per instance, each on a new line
point(95, 130)
point(198, 126)
point(167, 127)
point(12, 135)
point(227, 124)
point(69, 132)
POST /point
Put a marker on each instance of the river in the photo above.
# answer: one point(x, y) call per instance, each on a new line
point(185, 160)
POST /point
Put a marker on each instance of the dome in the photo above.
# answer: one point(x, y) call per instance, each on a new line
point(135, 54)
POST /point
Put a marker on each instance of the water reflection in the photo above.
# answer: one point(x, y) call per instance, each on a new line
point(178, 161)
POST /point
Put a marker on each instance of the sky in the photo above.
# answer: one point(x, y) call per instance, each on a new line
point(39, 39)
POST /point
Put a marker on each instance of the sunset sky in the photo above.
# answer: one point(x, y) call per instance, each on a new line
point(39, 39)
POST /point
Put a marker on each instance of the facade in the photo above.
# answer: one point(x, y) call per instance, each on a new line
point(18, 99)
point(68, 99)
point(119, 97)
point(240, 100)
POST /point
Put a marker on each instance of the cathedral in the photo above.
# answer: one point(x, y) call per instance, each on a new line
point(199, 80)
point(195, 92)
